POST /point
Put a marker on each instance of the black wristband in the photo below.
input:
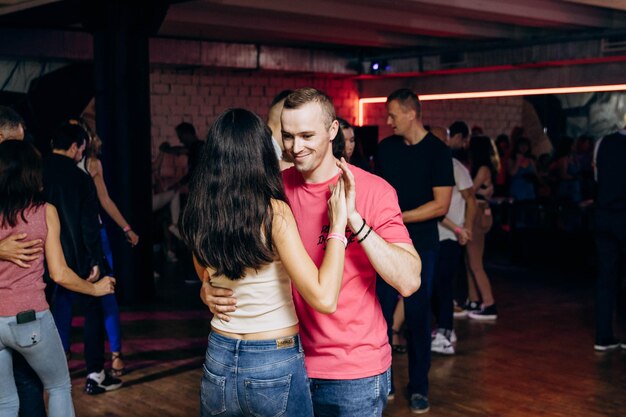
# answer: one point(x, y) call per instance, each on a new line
point(366, 235)
point(361, 229)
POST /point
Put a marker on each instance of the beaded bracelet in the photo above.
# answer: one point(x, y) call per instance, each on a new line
point(337, 236)
point(366, 235)
point(127, 228)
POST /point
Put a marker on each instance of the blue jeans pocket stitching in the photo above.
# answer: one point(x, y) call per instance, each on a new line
point(213, 393)
point(267, 398)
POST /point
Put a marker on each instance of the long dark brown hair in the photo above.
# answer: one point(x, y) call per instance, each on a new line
point(21, 181)
point(482, 152)
point(227, 222)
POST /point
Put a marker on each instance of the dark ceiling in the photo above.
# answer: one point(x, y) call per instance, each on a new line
point(359, 26)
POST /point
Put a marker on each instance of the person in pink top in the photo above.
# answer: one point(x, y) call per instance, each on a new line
point(26, 324)
point(347, 354)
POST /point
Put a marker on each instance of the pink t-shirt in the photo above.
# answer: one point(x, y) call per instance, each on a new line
point(352, 342)
point(23, 288)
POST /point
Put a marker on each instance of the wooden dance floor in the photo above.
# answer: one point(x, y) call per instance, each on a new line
point(537, 360)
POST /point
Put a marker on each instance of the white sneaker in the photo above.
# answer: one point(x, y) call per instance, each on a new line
point(453, 338)
point(441, 344)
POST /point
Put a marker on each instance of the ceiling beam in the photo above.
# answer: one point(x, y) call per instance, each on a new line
point(609, 4)
point(203, 23)
point(14, 6)
point(377, 17)
point(536, 12)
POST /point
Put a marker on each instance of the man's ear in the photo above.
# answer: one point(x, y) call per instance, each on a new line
point(334, 128)
point(73, 148)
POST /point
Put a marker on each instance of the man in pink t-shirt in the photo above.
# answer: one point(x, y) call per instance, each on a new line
point(347, 354)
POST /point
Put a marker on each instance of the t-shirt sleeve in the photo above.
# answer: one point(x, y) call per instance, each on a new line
point(443, 174)
point(387, 222)
point(462, 177)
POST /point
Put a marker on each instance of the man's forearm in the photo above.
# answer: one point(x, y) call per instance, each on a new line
point(428, 211)
point(398, 264)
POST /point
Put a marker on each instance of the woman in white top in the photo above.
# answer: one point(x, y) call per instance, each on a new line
point(244, 237)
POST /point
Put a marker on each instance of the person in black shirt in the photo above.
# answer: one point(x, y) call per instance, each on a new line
point(610, 231)
point(73, 193)
point(419, 167)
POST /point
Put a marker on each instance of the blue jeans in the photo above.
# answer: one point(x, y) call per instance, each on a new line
point(363, 397)
point(417, 317)
point(38, 341)
point(109, 302)
point(255, 378)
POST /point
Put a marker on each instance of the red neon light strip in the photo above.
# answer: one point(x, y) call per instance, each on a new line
point(498, 93)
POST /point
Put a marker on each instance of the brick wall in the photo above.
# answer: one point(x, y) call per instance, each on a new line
point(494, 115)
point(198, 96)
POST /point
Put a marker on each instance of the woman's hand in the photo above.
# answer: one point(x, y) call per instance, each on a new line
point(337, 209)
point(105, 286)
point(132, 237)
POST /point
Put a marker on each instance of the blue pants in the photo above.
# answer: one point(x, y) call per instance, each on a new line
point(417, 318)
point(110, 309)
point(255, 378)
point(351, 397)
point(38, 341)
point(109, 302)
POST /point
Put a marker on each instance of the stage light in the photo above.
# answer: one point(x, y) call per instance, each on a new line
point(378, 67)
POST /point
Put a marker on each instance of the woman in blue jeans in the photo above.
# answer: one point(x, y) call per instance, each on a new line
point(26, 324)
point(243, 237)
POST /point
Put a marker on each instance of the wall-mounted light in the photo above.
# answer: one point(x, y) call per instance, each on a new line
point(496, 93)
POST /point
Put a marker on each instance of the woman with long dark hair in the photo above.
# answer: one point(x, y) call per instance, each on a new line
point(484, 165)
point(26, 324)
point(244, 237)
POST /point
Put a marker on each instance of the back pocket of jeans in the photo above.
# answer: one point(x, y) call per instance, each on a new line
point(212, 394)
point(26, 334)
point(267, 397)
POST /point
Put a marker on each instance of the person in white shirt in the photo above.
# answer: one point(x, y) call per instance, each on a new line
point(455, 230)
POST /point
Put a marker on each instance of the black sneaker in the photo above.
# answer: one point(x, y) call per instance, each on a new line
point(419, 404)
point(108, 383)
point(606, 345)
point(485, 313)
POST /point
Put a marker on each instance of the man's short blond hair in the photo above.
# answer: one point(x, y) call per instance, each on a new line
point(302, 96)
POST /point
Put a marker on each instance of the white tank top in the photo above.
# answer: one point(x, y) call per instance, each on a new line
point(264, 301)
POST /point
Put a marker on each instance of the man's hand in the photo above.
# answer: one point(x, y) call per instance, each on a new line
point(94, 275)
point(219, 300)
point(15, 249)
point(354, 218)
